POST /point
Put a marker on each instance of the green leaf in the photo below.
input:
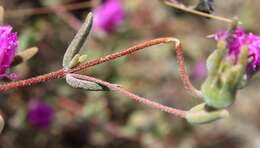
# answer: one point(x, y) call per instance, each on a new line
point(90, 86)
point(78, 41)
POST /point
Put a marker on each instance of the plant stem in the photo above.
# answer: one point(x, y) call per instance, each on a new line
point(148, 102)
point(184, 75)
point(61, 73)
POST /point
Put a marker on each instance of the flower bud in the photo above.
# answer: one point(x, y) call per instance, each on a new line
point(224, 77)
point(238, 39)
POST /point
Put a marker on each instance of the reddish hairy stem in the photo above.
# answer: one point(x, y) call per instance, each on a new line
point(184, 75)
point(148, 102)
point(61, 73)
point(122, 53)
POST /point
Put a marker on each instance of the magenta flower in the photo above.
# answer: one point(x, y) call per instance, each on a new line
point(8, 45)
point(241, 38)
point(108, 16)
point(40, 114)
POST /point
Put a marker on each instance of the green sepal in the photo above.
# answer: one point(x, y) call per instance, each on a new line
point(78, 41)
point(243, 61)
point(200, 115)
point(214, 60)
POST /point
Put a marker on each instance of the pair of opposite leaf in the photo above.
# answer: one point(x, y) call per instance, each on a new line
point(73, 58)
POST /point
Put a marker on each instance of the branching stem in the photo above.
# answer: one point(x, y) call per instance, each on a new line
point(148, 102)
point(61, 73)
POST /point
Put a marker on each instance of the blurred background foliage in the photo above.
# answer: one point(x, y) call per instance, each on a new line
point(106, 119)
